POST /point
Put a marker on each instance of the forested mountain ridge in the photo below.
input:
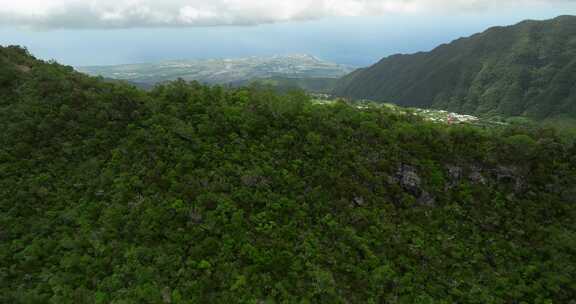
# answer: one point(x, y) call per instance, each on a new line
point(528, 69)
point(197, 194)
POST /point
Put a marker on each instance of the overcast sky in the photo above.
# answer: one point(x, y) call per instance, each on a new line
point(358, 32)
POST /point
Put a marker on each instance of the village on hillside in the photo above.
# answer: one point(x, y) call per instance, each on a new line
point(433, 115)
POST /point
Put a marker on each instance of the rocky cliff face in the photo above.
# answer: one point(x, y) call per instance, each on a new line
point(410, 179)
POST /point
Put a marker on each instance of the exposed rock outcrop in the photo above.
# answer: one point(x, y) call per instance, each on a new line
point(455, 174)
point(408, 178)
point(483, 175)
point(476, 177)
point(509, 176)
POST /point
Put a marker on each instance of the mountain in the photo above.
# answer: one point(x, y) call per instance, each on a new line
point(224, 71)
point(528, 69)
point(195, 194)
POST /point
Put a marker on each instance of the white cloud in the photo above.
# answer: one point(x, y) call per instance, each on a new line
point(158, 13)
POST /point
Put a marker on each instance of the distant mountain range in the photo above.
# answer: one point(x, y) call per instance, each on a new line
point(528, 69)
point(225, 71)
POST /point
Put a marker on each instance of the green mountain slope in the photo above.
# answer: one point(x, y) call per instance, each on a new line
point(196, 194)
point(526, 69)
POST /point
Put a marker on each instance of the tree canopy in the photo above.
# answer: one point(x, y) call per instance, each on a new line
point(197, 194)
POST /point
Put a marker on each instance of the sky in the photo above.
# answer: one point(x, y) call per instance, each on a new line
point(354, 32)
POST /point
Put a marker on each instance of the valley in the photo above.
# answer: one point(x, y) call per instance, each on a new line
point(232, 71)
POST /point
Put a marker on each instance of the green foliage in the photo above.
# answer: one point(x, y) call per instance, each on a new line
point(285, 84)
point(523, 70)
point(196, 194)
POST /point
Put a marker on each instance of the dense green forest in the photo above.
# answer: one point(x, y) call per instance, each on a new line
point(286, 84)
point(528, 69)
point(197, 194)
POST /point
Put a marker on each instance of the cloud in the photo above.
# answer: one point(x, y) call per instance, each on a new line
point(49, 14)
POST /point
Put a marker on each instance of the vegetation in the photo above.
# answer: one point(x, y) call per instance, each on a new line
point(286, 84)
point(196, 194)
point(528, 69)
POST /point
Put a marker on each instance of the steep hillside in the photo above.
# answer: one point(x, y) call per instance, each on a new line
point(223, 71)
point(196, 194)
point(526, 69)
